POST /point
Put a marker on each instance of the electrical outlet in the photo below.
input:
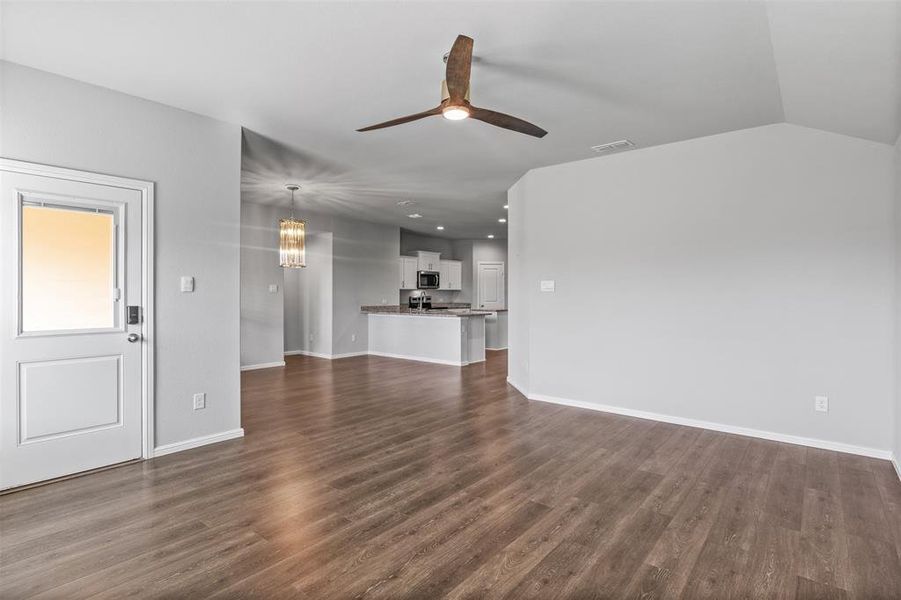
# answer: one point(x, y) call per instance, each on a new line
point(200, 401)
point(353, 337)
point(821, 404)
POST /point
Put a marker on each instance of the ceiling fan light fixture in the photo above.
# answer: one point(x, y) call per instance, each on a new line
point(455, 113)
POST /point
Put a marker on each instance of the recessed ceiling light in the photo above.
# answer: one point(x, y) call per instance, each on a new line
point(490, 236)
point(506, 206)
point(440, 228)
point(502, 220)
point(405, 202)
point(415, 216)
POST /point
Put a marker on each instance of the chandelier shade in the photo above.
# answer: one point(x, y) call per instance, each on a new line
point(291, 243)
point(292, 238)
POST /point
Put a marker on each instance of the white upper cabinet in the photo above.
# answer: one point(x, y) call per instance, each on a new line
point(428, 261)
point(451, 275)
point(408, 267)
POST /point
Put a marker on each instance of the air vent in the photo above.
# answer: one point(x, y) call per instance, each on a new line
point(617, 146)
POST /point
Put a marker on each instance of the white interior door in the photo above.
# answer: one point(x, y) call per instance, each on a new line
point(491, 286)
point(71, 367)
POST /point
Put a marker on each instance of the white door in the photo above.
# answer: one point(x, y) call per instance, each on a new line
point(70, 362)
point(491, 285)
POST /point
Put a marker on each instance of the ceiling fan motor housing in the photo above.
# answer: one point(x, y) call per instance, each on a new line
point(445, 95)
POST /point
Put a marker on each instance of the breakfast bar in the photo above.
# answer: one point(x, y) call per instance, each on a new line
point(444, 336)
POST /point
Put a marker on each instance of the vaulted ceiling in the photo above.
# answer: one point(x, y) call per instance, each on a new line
point(301, 77)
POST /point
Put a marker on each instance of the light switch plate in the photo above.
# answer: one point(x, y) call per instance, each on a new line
point(821, 403)
point(273, 288)
point(548, 285)
point(187, 283)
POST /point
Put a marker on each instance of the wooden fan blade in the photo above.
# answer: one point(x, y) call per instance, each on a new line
point(402, 120)
point(506, 121)
point(459, 66)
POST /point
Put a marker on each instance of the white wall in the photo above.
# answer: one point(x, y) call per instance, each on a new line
point(195, 164)
point(727, 279)
point(261, 310)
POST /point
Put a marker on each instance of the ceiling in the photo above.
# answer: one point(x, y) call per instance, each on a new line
point(301, 77)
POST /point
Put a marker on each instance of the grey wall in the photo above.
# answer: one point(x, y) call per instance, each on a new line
point(897, 419)
point(519, 287)
point(365, 272)
point(195, 163)
point(309, 298)
point(726, 279)
point(261, 310)
point(350, 264)
point(463, 252)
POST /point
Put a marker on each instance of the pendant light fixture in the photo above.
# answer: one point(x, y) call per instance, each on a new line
point(291, 237)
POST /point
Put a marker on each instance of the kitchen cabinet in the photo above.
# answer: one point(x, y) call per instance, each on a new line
point(407, 266)
point(428, 261)
point(451, 275)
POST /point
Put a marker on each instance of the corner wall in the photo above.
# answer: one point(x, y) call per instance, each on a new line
point(897, 356)
point(195, 163)
point(725, 280)
point(261, 310)
point(309, 298)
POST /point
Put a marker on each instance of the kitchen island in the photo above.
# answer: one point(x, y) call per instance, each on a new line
point(444, 336)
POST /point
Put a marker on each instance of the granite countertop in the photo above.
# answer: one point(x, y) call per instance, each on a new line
point(388, 309)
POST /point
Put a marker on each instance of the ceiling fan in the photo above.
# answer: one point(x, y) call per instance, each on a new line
point(455, 104)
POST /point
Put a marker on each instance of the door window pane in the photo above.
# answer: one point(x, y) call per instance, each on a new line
point(68, 269)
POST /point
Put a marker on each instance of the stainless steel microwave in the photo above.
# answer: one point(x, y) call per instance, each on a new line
point(427, 280)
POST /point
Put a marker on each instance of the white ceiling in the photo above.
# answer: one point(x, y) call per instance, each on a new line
point(303, 76)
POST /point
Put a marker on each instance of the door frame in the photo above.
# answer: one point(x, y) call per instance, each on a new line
point(145, 188)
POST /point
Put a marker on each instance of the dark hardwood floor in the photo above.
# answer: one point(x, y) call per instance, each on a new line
point(377, 478)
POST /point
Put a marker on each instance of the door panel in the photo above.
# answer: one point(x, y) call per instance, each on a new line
point(46, 390)
point(70, 380)
point(491, 285)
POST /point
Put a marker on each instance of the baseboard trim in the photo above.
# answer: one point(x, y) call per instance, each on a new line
point(268, 365)
point(425, 359)
point(895, 462)
point(307, 353)
point(197, 442)
point(745, 431)
point(323, 355)
point(519, 388)
point(495, 349)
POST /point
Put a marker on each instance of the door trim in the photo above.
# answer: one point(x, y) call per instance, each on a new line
point(145, 188)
